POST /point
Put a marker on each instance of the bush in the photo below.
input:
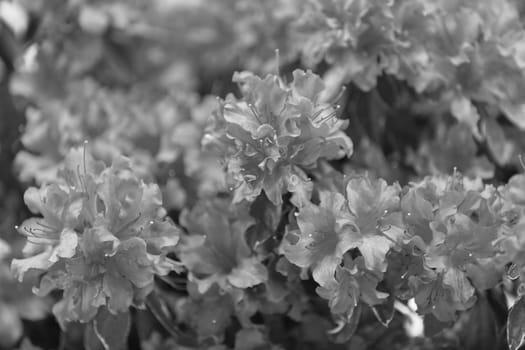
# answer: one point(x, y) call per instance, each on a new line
point(246, 175)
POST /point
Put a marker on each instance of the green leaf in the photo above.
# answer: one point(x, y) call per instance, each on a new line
point(516, 325)
point(346, 330)
point(384, 312)
point(91, 341)
point(433, 326)
point(159, 304)
point(111, 330)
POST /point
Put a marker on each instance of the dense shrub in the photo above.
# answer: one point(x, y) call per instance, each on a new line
point(278, 174)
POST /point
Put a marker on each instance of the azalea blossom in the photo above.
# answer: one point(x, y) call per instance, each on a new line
point(215, 251)
point(277, 132)
point(102, 238)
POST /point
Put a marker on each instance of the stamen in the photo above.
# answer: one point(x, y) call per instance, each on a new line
point(254, 111)
point(277, 62)
point(37, 233)
point(81, 179)
point(340, 95)
point(84, 155)
point(45, 226)
point(318, 113)
point(84, 184)
point(126, 226)
point(329, 116)
point(382, 230)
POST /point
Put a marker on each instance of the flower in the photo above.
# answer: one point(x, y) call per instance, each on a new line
point(455, 219)
point(374, 208)
point(275, 134)
point(102, 238)
point(320, 237)
point(215, 251)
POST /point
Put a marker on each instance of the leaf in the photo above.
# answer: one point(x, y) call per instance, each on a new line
point(346, 330)
point(433, 326)
point(483, 328)
point(267, 217)
point(516, 325)
point(91, 342)
point(385, 312)
point(158, 303)
point(211, 316)
point(251, 339)
point(112, 330)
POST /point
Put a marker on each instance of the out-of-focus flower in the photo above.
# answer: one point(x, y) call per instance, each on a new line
point(16, 302)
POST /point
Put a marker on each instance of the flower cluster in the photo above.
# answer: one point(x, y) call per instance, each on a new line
point(284, 241)
point(443, 229)
point(466, 50)
point(101, 238)
point(459, 224)
point(155, 132)
point(277, 132)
